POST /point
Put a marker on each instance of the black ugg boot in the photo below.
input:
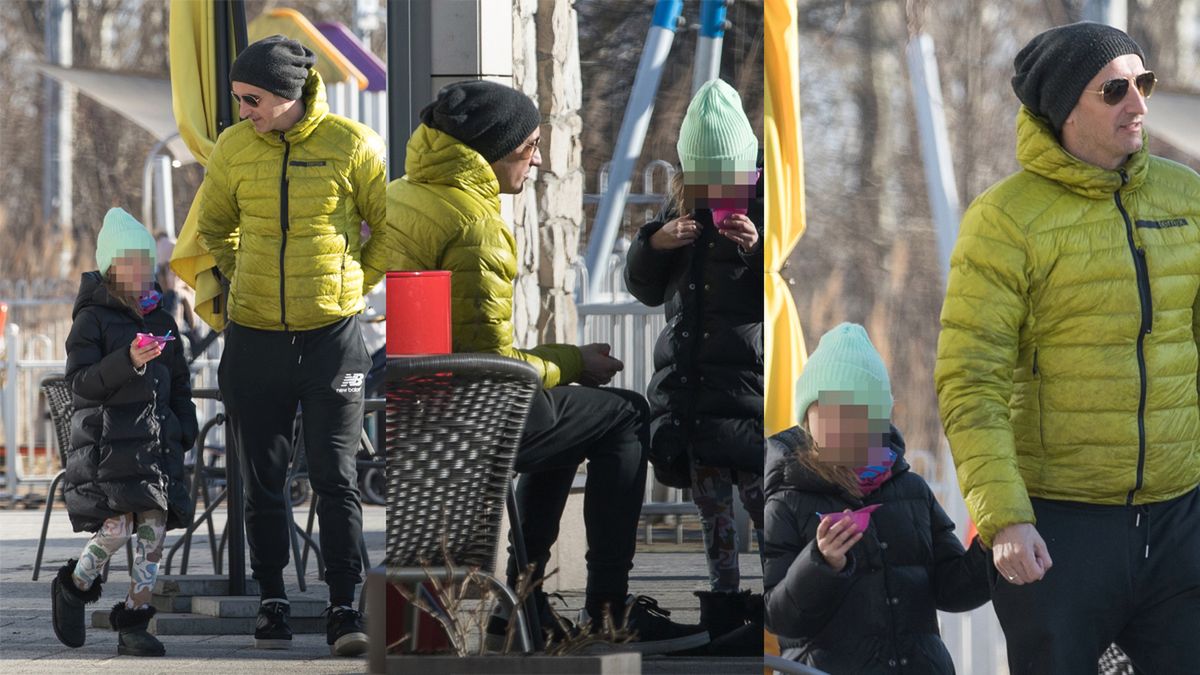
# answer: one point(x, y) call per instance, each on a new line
point(746, 639)
point(67, 606)
point(134, 639)
point(722, 613)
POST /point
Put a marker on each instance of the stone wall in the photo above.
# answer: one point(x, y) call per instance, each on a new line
point(549, 217)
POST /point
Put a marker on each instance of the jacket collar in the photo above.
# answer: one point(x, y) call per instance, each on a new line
point(1039, 151)
point(435, 157)
point(316, 108)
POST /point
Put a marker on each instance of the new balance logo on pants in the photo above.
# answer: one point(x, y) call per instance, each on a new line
point(352, 383)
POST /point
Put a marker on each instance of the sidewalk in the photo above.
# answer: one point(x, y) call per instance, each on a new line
point(27, 644)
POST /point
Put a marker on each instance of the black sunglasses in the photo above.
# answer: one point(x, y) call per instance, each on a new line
point(249, 99)
point(1114, 91)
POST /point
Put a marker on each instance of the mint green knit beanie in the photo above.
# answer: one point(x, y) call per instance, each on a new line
point(122, 232)
point(845, 369)
point(716, 140)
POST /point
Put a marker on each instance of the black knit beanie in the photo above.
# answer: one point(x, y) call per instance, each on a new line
point(278, 64)
point(491, 119)
point(1056, 66)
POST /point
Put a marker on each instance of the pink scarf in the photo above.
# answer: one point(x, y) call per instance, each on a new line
point(873, 476)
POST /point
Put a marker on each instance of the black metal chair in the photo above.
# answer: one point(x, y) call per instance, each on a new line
point(57, 391)
point(453, 425)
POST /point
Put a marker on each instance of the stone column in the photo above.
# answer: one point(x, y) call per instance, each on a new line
point(560, 181)
point(527, 293)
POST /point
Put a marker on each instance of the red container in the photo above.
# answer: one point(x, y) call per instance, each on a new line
point(418, 313)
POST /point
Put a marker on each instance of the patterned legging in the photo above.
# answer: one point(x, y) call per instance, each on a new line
point(712, 490)
point(149, 527)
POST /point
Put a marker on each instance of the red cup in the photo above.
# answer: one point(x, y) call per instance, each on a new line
point(418, 313)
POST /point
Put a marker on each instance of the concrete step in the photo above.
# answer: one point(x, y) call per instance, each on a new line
point(240, 607)
point(199, 624)
point(199, 584)
point(172, 603)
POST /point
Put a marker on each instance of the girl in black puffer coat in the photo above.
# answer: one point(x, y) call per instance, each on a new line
point(703, 259)
point(132, 423)
point(841, 599)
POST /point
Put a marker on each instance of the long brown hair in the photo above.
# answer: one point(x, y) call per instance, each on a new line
point(808, 457)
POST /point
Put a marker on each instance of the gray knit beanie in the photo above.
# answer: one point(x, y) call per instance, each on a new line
point(278, 64)
point(490, 118)
point(1055, 67)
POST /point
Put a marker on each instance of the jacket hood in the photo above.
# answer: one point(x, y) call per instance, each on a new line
point(785, 471)
point(1039, 151)
point(93, 292)
point(438, 158)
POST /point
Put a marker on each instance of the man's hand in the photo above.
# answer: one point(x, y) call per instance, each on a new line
point(675, 234)
point(1020, 554)
point(598, 366)
point(834, 541)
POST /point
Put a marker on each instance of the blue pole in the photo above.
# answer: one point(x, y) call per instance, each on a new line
point(707, 64)
point(629, 141)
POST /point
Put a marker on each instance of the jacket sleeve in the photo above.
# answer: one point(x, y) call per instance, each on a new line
point(960, 577)
point(802, 592)
point(370, 187)
point(217, 225)
point(181, 394)
point(648, 271)
point(981, 319)
point(93, 375)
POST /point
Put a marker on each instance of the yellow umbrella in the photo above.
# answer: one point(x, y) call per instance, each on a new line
point(194, 99)
point(784, 176)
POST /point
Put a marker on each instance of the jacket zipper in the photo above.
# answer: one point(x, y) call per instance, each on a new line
point(1143, 284)
point(283, 224)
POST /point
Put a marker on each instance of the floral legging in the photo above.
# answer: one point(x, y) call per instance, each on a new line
point(712, 491)
point(150, 527)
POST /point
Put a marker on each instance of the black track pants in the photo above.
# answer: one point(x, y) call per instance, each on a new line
point(264, 376)
point(1129, 575)
point(608, 428)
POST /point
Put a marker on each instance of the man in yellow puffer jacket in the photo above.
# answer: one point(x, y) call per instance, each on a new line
point(1067, 368)
point(476, 141)
point(281, 211)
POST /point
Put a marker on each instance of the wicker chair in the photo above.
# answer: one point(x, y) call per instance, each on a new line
point(57, 391)
point(453, 426)
point(1115, 662)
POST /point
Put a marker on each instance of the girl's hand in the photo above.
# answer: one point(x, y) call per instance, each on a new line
point(675, 234)
point(738, 228)
point(143, 355)
point(834, 540)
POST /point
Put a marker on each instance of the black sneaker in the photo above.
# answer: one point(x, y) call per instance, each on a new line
point(652, 629)
point(272, 631)
point(344, 632)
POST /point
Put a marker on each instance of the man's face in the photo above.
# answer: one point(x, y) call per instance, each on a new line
point(267, 111)
point(845, 433)
point(513, 169)
point(1102, 134)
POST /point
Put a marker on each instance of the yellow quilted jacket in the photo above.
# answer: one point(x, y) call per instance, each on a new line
point(1067, 361)
point(282, 215)
point(444, 214)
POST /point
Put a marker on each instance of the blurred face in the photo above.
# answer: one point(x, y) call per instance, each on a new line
point(132, 272)
point(729, 190)
point(1105, 134)
point(513, 169)
point(846, 435)
point(268, 112)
